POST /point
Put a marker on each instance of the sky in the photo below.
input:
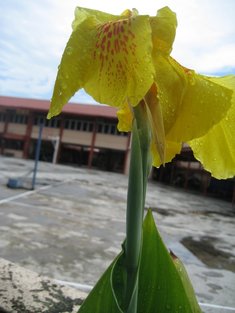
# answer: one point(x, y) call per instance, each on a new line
point(33, 35)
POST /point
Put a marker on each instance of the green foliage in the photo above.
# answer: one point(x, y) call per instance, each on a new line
point(163, 286)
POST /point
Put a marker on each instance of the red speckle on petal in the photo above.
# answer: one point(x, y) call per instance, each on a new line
point(103, 40)
point(108, 45)
point(130, 33)
point(114, 29)
point(118, 28)
point(116, 45)
point(125, 37)
point(122, 43)
point(106, 28)
point(110, 34)
point(125, 50)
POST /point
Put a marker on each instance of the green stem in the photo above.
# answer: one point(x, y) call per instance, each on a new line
point(138, 173)
point(134, 220)
point(144, 136)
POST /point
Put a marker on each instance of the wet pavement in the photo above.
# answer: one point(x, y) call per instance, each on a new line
point(72, 226)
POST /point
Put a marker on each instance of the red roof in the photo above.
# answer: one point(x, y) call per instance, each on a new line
point(70, 108)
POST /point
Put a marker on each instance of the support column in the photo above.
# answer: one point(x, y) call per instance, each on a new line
point(90, 158)
point(127, 156)
point(28, 136)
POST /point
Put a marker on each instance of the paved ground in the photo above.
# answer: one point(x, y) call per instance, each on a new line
point(73, 224)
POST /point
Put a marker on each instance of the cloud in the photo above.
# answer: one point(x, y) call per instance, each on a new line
point(34, 34)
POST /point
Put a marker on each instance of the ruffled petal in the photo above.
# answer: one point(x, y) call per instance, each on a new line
point(188, 100)
point(171, 85)
point(107, 55)
point(101, 17)
point(163, 30)
point(216, 150)
point(171, 149)
point(75, 67)
point(155, 119)
point(204, 104)
point(125, 119)
point(122, 61)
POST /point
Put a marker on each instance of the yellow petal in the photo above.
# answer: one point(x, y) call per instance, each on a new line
point(155, 119)
point(125, 119)
point(82, 13)
point(171, 149)
point(163, 30)
point(171, 85)
point(216, 150)
point(191, 103)
point(76, 66)
point(107, 55)
point(122, 61)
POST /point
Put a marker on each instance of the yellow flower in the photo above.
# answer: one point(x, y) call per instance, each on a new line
point(123, 60)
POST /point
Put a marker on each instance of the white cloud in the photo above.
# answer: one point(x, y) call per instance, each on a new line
point(34, 33)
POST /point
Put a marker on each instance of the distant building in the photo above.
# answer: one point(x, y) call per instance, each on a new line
point(87, 135)
point(84, 135)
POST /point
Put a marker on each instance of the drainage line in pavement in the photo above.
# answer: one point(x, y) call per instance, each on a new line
point(27, 193)
point(24, 194)
point(216, 306)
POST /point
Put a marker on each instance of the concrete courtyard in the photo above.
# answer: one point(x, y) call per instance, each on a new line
point(72, 226)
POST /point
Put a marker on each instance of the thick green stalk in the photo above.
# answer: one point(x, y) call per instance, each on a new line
point(134, 218)
point(144, 137)
point(139, 168)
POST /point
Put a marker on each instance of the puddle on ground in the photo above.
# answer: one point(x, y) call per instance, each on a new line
point(204, 250)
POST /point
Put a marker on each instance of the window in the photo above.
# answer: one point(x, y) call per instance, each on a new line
point(14, 144)
point(106, 127)
point(80, 125)
point(18, 118)
point(54, 122)
point(2, 116)
point(38, 120)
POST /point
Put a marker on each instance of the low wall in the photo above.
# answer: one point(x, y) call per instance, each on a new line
point(23, 291)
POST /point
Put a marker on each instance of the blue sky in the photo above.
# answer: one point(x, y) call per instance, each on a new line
point(33, 35)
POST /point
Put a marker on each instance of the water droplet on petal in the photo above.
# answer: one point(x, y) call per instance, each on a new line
point(69, 50)
point(63, 85)
point(191, 79)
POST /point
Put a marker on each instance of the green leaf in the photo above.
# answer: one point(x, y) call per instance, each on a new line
point(101, 299)
point(164, 285)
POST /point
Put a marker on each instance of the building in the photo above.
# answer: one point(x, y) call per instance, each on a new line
point(86, 135)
